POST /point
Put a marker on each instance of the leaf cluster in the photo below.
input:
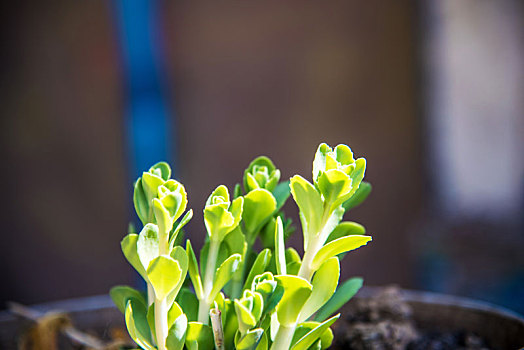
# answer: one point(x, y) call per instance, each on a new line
point(232, 297)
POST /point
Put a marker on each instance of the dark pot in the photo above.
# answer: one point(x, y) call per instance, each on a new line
point(501, 328)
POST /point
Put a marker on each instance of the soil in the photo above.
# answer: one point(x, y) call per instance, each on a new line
point(384, 322)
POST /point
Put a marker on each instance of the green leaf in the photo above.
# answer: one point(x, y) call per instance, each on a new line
point(129, 248)
point(296, 292)
point(282, 193)
point(179, 255)
point(150, 184)
point(199, 337)
point(179, 226)
point(346, 228)
point(147, 244)
point(305, 327)
point(357, 175)
point(293, 267)
point(334, 185)
point(141, 203)
point(319, 163)
point(250, 340)
point(360, 196)
point(280, 254)
point(122, 294)
point(258, 267)
point(292, 255)
point(338, 246)
point(164, 273)
point(331, 223)
point(342, 295)
point(219, 195)
point(224, 274)
point(163, 219)
point(176, 335)
point(151, 318)
point(137, 325)
point(174, 197)
point(259, 205)
point(263, 344)
point(194, 274)
point(261, 173)
point(161, 169)
point(189, 303)
point(324, 283)
point(246, 320)
point(306, 341)
point(309, 202)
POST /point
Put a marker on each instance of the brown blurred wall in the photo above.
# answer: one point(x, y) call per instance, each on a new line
point(246, 79)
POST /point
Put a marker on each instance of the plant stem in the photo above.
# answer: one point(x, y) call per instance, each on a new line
point(283, 338)
point(161, 323)
point(205, 303)
point(218, 331)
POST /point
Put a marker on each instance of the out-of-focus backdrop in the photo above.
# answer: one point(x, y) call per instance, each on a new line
point(430, 92)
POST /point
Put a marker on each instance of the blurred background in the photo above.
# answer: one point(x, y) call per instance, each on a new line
point(430, 92)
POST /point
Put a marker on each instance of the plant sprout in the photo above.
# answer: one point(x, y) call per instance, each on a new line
point(232, 297)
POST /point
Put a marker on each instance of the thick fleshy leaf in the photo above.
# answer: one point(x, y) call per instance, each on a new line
point(199, 337)
point(179, 255)
point(137, 325)
point(250, 340)
point(163, 219)
point(179, 226)
point(164, 274)
point(282, 193)
point(147, 244)
point(280, 253)
point(293, 267)
point(194, 273)
point(324, 283)
point(141, 203)
point(296, 292)
point(261, 173)
point(129, 248)
point(150, 184)
point(258, 267)
point(259, 205)
point(176, 336)
point(161, 169)
point(292, 255)
point(303, 328)
point(342, 295)
point(334, 184)
point(338, 246)
point(357, 175)
point(122, 294)
point(331, 223)
point(246, 320)
point(319, 163)
point(175, 202)
point(311, 337)
point(309, 202)
point(360, 196)
point(263, 344)
point(219, 192)
point(224, 274)
point(189, 303)
point(346, 228)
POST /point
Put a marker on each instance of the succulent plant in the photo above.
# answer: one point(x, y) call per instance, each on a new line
point(238, 298)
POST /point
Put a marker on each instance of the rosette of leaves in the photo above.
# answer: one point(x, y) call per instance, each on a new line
point(264, 195)
point(156, 321)
point(221, 217)
point(336, 179)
